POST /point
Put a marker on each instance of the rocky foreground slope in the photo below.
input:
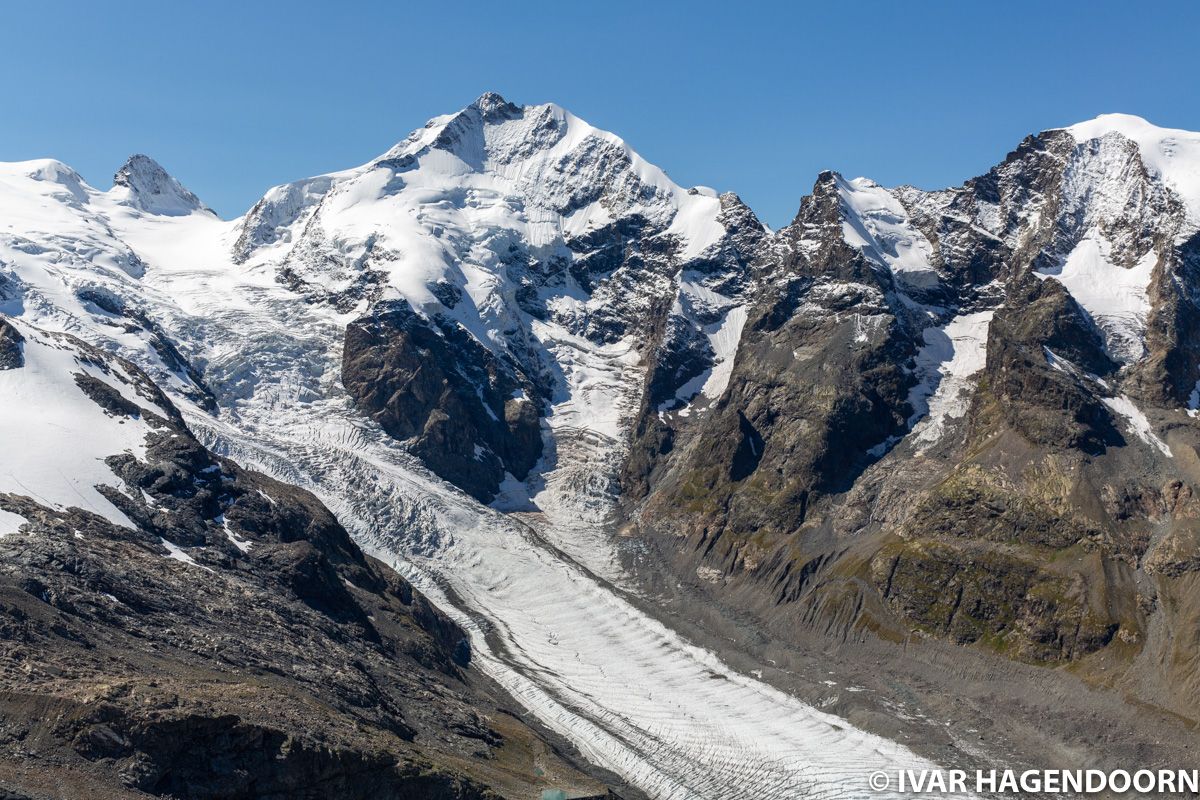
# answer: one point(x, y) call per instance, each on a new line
point(960, 417)
point(183, 627)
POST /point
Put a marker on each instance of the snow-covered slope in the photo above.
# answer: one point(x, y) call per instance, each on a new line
point(66, 407)
point(877, 222)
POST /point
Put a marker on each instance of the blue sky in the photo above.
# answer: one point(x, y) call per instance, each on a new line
point(751, 97)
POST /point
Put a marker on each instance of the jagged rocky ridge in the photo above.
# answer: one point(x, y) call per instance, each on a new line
point(959, 414)
point(1032, 494)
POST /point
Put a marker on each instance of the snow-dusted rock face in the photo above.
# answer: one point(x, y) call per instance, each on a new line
point(142, 184)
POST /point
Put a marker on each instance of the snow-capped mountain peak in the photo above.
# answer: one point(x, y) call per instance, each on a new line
point(1172, 154)
point(491, 103)
point(142, 183)
point(523, 227)
point(461, 198)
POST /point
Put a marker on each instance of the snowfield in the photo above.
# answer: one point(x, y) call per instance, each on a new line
point(1114, 297)
point(42, 414)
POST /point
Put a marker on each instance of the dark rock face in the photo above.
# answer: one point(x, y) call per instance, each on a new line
point(1171, 368)
point(11, 339)
point(983, 596)
point(983, 560)
point(235, 643)
point(1041, 350)
point(470, 416)
point(812, 389)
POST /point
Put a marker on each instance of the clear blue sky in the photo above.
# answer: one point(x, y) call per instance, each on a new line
point(751, 97)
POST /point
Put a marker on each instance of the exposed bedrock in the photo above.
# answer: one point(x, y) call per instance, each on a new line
point(469, 416)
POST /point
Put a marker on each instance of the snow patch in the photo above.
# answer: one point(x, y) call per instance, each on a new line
point(951, 356)
point(10, 522)
point(241, 544)
point(724, 340)
point(176, 553)
point(723, 336)
point(1137, 422)
point(1116, 298)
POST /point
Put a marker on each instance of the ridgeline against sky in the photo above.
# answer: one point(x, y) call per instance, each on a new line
point(754, 99)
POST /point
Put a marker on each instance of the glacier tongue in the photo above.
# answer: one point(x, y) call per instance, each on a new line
point(631, 694)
